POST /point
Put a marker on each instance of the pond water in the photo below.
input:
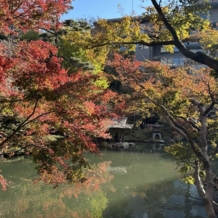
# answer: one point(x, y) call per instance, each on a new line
point(144, 185)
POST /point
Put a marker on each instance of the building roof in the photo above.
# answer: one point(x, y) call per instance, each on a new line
point(120, 124)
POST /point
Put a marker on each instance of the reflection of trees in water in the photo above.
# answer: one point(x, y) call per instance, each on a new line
point(23, 199)
point(147, 189)
point(142, 201)
point(160, 200)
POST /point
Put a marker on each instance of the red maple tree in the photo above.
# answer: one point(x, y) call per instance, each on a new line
point(17, 15)
point(44, 110)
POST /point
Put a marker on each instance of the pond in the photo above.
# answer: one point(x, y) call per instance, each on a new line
point(144, 185)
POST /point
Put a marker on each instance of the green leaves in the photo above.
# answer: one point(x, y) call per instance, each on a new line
point(185, 160)
point(76, 46)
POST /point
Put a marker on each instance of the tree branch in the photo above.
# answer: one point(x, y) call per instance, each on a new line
point(198, 57)
point(142, 42)
point(180, 129)
point(190, 121)
point(20, 125)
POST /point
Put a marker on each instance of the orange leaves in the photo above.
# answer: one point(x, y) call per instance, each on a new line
point(54, 116)
point(152, 84)
point(3, 183)
point(43, 97)
point(35, 14)
point(107, 95)
point(96, 176)
point(89, 107)
point(126, 64)
point(55, 176)
point(35, 66)
point(4, 65)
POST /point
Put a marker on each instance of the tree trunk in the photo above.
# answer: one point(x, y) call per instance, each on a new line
point(209, 205)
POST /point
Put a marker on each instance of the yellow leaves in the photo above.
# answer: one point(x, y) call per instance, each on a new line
point(128, 29)
point(113, 32)
point(208, 39)
point(79, 44)
point(7, 111)
point(183, 19)
point(213, 144)
point(189, 179)
point(145, 38)
point(169, 48)
point(102, 83)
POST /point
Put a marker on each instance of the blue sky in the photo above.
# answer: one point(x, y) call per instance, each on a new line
point(88, 9)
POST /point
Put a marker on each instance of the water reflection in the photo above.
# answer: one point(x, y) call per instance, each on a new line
point(149, 188)
point(23, 199)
